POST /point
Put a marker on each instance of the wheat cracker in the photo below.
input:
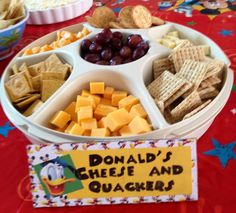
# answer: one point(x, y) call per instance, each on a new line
point(141, 16)
point(160, 65)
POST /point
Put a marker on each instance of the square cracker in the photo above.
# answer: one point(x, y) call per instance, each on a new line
point(187, 105)
point(214, 68)
point(23, 104)
point(193, 72)
point(36, 82)
point(49, 87)
point(36, 69)
point(162, 64)
point(163, 87)
point(195, 111)
point(18, 86)
point(209, 92)
point(33, 107)
point(195, 53)
point(52, 75)
point(211, 81)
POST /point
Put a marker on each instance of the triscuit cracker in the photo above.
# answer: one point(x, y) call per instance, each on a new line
point(193, 72)
point(18, 86)
point(211, 81)
point(193, 53)
point(125, 17)
point(209, 92)
point(214, 68)
point(163, 87)
point(160, 65)
point(115, 25)
point(196, 110)
point(23, 104)
point(160, 105)
point(157, 21)
point(187, 105)
point(14, 69)
point(103, 16)
point(92, 21)
point(178, 94)
point(141, 16)
point(33, 108)
point(49, 87)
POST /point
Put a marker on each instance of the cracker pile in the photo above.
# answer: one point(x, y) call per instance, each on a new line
point(186, 81)
point(129, 17)
point(63, 38)
point(30, 86)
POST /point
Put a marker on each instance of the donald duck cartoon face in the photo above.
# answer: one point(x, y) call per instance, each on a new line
point(54, 178)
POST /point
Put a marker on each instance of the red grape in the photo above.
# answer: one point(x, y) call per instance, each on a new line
point(116, 60)
point(93, 58)
point(127, 60)
point(125, 52)
point(138, 53)
point(134, 40)
point(95, 48)
point(102, 62)
point(144, 45)
point(117, 35)
point(106, 54)
point(85, 45)
point(116, 43)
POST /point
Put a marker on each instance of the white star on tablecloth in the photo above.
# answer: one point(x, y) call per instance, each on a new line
point(233, 111)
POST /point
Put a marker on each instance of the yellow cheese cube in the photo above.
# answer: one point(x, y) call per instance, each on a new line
point(84, 101)
point(128, 102)
point(87, 132)
point(117, 96)
point(105, 101)
point(96, 99)
point(100, 132)
point(108, 92)
point(88, 124)
point(97, 87)
point(84, 113)
point(117, 119)
point(70, 109)
point(101, 123)
point(137, 110)
point(125, 131)
point(60, 119)
point(74, 129)
point(103, 110)
point(139, 125)
point(62, 129)
point(85, 93)
point(114, 134)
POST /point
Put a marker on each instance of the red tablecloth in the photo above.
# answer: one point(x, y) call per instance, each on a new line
point(217, 185)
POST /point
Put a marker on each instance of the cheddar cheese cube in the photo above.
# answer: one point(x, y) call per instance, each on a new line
point(85, 93)
point(100, 132)
point(96, 99)
point(108, 92)
point(84, 112)
point(74, 129)
point(128, 102)
point(87, 132)
point(115, 134)
point(84, 101)
point(62, 129)
point(101, 123)
point(117, 96)
point(103, 110)
point(88, 124)
point(117, 119)
point(105, 101)
point(70, 109)
point(60, 119)
point(125, 131)
point(139, 125)
point(137, 110)
point(97, 88)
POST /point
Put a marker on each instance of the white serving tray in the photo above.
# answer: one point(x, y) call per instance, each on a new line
point(133, 77)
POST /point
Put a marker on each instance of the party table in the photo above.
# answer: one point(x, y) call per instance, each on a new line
point(216, 170)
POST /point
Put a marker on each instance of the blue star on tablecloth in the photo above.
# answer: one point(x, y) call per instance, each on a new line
point(4, 130)
point(224, 32)
point(223, 152)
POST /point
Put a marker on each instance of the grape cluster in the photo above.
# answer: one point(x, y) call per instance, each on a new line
point(109, 48)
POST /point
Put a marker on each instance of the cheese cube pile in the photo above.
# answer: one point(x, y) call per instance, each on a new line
point(102, 112)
